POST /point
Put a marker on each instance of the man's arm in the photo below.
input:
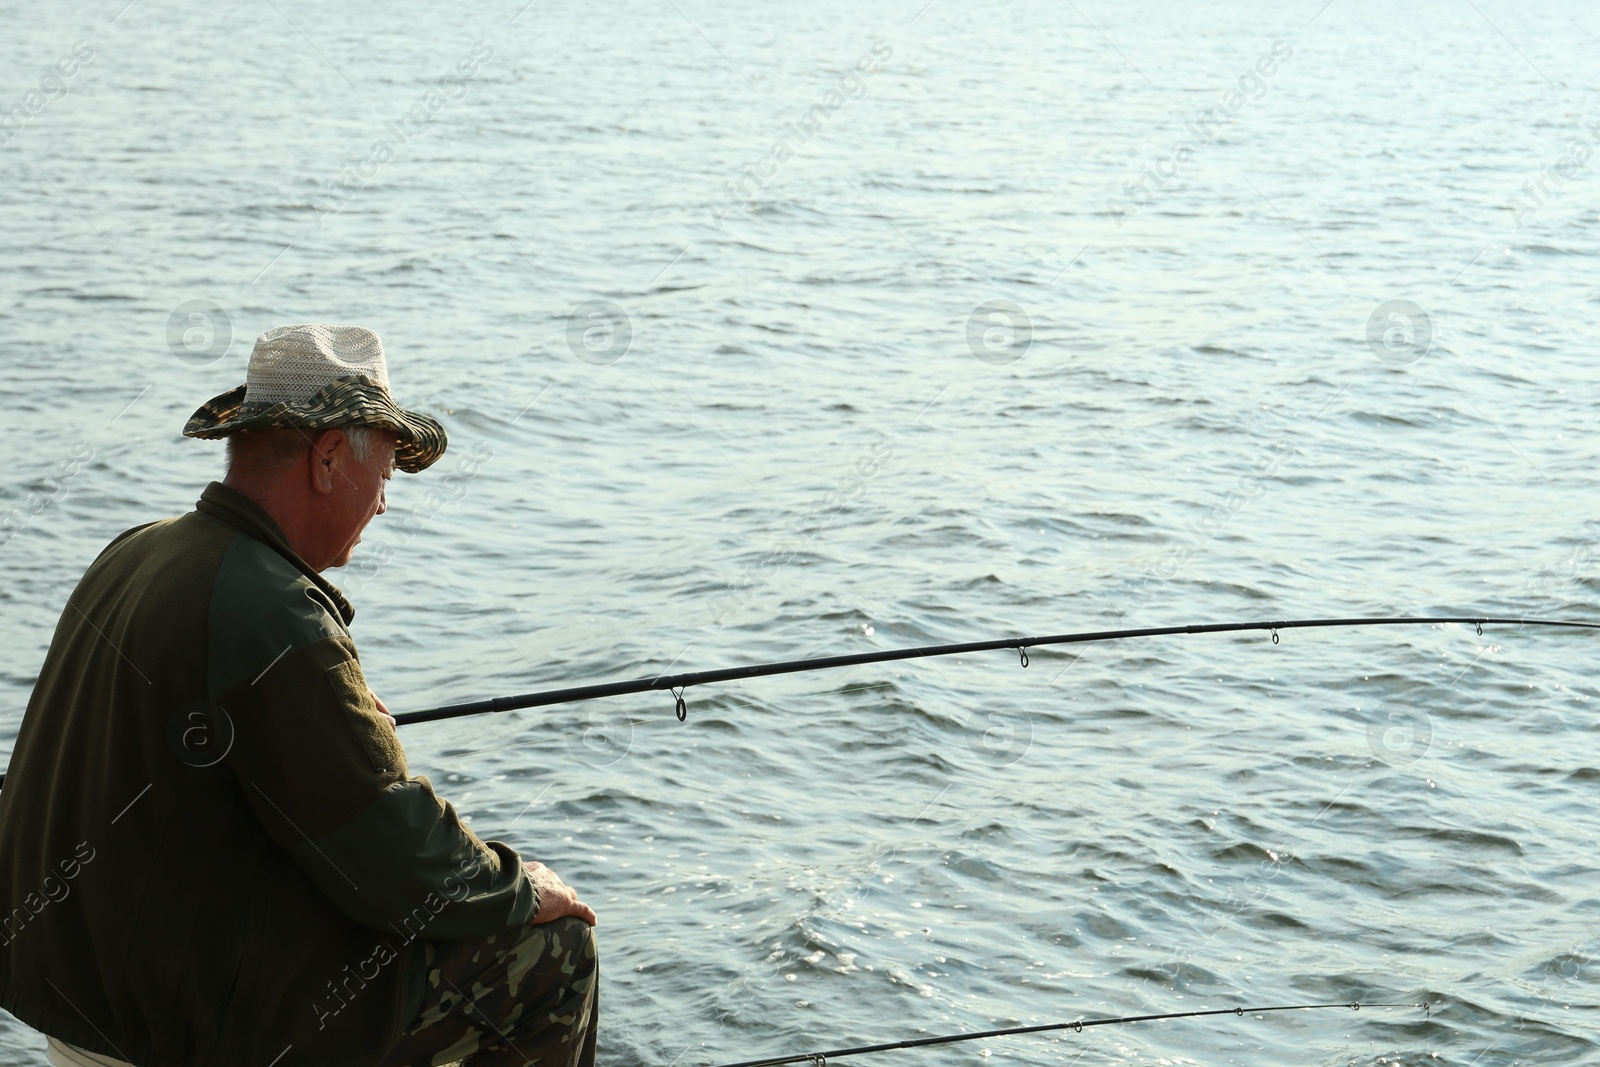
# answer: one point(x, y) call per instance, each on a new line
point(327, 777)
point(556, 898)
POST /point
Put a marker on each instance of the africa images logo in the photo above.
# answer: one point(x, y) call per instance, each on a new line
point(54, 84)
point(1251, 85)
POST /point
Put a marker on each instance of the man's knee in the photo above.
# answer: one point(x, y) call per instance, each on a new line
point(580, 961)
point(561, 953)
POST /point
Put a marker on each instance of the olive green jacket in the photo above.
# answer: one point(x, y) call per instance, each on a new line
point(211, 850)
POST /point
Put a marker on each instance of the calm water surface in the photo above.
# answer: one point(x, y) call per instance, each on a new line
point(802, 428)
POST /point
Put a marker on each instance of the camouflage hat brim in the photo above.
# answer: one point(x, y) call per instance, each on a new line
point(352, 401)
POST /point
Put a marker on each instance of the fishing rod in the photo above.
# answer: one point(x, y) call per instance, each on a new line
point(677, 683)
point(1079, 1025)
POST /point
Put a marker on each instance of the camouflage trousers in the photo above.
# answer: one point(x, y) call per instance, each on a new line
point(525, 998)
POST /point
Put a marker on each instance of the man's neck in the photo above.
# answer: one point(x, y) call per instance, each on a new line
point(284, 508)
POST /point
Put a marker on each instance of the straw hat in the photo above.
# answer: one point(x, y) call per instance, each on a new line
point(320, 377)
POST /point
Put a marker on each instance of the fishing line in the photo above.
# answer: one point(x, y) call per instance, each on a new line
point(819, 1059)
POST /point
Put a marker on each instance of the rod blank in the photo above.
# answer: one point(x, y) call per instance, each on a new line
point(1020, 644)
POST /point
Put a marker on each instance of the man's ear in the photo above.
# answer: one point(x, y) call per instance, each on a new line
point(327, 456)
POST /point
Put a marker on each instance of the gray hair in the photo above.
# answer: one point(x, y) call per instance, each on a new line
point(363, 440)
point(265, 449)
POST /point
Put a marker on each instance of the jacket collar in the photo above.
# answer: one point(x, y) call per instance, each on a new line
point(230, 506)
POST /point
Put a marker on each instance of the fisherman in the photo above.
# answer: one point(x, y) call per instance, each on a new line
point(211, 848)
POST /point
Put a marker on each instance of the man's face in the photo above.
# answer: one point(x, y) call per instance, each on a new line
point(359, 493)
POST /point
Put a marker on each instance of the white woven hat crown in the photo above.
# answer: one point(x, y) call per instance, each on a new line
point(291, 364)
point(320, 377)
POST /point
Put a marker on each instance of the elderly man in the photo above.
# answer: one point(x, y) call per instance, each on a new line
point(211, 848)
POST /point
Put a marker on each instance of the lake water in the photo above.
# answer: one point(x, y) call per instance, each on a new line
point(929, 325)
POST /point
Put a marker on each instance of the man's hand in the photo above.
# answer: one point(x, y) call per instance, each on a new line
point(382, 707)
point(557, 899)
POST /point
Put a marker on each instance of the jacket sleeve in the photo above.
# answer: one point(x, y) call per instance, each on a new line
point(327, 777)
